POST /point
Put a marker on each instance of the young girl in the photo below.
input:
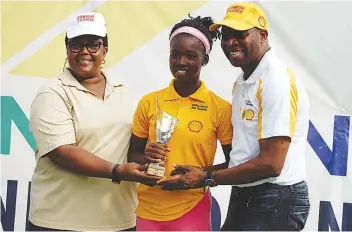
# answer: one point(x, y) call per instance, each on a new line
point(203, 118)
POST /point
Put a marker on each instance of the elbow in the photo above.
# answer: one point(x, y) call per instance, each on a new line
point(274, 170)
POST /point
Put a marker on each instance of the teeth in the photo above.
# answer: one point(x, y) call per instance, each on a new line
point(236, 53)
point(181, 71)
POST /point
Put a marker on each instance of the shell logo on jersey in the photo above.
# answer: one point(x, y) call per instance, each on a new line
point(195, 126)
point(249, 114)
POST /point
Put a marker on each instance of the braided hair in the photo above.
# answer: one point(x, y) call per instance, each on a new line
point(201, 24)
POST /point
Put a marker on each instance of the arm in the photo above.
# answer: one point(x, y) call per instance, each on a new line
point(139, 153)
point(52, 127)
point(80, 161)
point(224, 135)
point(267, 164)
point(226, 149)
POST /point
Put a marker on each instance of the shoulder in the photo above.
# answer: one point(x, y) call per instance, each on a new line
point(218, 102)
point(54, 87)
point(151, 97)
point(276, 77)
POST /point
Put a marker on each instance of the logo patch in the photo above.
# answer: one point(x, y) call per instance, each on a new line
point(195, 126)
point(199, 107)
point(85, 18)
point(249, 114)
point(261, 21)
point(236, 9)
point(248, 103)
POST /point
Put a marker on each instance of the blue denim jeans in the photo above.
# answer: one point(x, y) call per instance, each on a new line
point(268, 207)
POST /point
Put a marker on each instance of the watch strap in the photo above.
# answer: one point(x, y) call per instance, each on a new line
point(114, 176)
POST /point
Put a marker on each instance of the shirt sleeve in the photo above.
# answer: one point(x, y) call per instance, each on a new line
point(140, 119)
point(224, 130)
point(277, 100)
point(51, 123)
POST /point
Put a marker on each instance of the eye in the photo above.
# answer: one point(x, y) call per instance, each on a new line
point(94, 44)
point(191, 57)
point(173, 55)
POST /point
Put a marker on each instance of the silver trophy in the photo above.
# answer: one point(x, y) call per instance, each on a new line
point(165, 126)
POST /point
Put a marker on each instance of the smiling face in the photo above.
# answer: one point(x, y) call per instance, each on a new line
point(187, 56)
point(242, 48)
point(85, 55)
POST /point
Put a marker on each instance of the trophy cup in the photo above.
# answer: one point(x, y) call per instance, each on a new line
point(165, 126)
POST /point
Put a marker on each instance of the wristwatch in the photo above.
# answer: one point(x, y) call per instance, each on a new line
point(114, 177)
point(209, 181)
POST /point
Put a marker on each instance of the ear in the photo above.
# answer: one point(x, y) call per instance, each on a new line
point(206, 60)
point(105, 51)
point(263, 35)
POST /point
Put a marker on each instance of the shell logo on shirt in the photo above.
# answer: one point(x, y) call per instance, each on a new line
point(195, 126)
point(249, 114)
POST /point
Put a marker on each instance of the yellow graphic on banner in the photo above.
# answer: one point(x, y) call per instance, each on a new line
point(22, 22)
point(130, 24)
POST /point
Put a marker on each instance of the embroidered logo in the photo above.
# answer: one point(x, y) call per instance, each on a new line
point(249, 114)
point(236, 9)
point(262, 21)
point(248, 103)
point(85, 18)
point(195, 126)
point(199, 107)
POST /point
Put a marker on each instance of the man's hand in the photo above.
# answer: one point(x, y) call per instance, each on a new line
point(183, 177)
point(136, 173)
point(155, 153)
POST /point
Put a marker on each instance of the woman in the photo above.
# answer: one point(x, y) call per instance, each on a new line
point(82, 123)
point(203, 118)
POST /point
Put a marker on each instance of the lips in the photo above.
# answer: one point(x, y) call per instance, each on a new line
point(85, 61)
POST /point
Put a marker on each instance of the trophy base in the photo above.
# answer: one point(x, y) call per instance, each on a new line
point(156, 169)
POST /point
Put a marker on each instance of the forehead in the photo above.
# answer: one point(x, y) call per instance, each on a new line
point(186, 42)
point(84, 38)
point(229, 30)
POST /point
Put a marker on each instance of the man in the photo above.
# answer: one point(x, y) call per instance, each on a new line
point(270, 120)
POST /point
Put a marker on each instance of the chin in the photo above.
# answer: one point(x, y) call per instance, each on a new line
point(237, 63)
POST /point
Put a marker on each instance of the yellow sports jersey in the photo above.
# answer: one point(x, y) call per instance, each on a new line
point(204, 119)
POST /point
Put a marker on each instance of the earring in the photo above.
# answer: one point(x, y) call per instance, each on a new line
point(103, 61)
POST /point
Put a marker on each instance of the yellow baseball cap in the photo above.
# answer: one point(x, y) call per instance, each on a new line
point(243, 16)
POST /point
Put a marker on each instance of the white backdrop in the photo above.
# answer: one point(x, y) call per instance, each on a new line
point(313, 38)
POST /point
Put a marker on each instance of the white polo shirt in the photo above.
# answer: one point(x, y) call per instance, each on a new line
point(271, 102)
point(64, 112)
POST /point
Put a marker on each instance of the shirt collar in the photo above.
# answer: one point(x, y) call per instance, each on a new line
point(257, 72)
point(68, 79)
point(201, 94)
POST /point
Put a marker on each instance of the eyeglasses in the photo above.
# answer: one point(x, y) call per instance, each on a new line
point(236, 34)
point(92, 47)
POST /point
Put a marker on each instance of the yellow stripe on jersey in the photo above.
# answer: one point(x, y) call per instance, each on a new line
point(260, 111)
point(293, 102)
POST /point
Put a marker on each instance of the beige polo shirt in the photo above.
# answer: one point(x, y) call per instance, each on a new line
point(64, 112)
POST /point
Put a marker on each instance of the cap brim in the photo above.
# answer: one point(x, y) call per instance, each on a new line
point(237, 25)
point(85, 31)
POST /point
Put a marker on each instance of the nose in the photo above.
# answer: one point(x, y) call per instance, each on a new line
point(231, 41)
point(84, 50)
point(181, 60)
